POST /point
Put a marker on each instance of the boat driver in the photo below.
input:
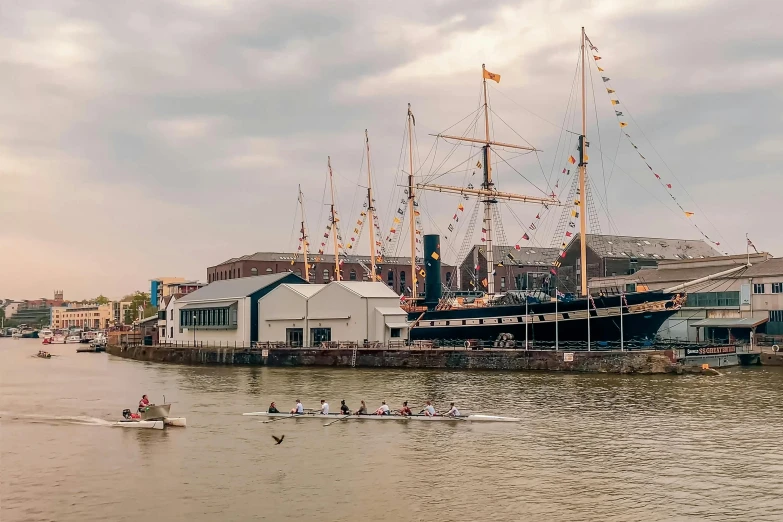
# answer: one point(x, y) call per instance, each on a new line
point(143, 403)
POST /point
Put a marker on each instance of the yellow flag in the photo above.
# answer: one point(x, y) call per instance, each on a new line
point(586, 158)
point(615, 102)
point(491, 76)
point(397, 220)
point(435, 256)
point(688, 214)
point(460, 207)
point(610, 91)
point(422, 273)
point(623, 124)
point(484, 281)
point(478, 164)
point(416, 212)
point(600, 69)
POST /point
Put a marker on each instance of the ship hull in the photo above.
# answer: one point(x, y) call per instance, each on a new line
point(643, 314)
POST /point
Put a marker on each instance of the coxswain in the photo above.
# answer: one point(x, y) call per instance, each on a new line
point(429, 409)
point(273, 408)
point(405, 410)
point(344, 409)
point(383, 409)
point(453, 412)
point(362, 409)
point(324, 407)
point(298, 409)
point(143, 403)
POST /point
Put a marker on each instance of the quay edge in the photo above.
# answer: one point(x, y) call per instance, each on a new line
point(633, 362)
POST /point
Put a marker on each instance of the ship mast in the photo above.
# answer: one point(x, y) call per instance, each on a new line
point(487, 192)
point(334, 223)
point(370, 210)
point(582, 180)
point(304, 237)
point(411, 210)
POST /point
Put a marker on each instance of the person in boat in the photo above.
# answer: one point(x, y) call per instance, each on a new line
point(429, 409)
point(273, 408)
point(344, 409)
point(453, 412)
point(143, 403)
point(324, 407)
point(383, 409)
point(298, 409)
point(405, 410)
point(362, 409)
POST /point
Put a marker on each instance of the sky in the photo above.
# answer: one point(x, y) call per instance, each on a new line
point(157, 138)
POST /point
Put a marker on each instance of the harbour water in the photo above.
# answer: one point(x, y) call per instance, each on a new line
point(591, 447)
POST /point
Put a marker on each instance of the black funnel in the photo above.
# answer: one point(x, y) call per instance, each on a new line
point(432, 289)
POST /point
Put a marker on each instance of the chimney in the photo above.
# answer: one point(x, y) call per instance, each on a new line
point(432, 289)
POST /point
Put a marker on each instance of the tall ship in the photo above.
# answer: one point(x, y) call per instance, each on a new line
point(544, 316)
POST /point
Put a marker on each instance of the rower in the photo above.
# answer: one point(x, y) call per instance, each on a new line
point(405, 410)
point(383, 409)
point(324, 407)
point(344, 409)
point(143, 403)
point(453, 412)
point(298, 409)
point(362, 409)
point(429, 409)
point(273, 408)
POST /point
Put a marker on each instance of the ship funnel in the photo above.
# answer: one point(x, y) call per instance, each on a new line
point(432, 288)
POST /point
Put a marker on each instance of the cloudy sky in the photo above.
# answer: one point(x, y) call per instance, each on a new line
point(156, 138)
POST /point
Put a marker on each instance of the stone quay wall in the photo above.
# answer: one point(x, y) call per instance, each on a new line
point(633, 362)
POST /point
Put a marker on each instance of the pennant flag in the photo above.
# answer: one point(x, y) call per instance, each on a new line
point(393, 231)
point(576, 202)
point(568, 173)
point(435, 256)
point(518, 247)
point(478, 164)
point(538, 216)
point(553, 271)
point(350, 245)
point(615, 102)
point(525, 237)
point(571, 160)
point(397, 220)
point(600, 69)
point(750, 244)
point(656, 175)
point(586, 158)
point(355, 230)
point(326, 236)
point(483, 230)
point(619, 113)
point(491, 76)
point(451, 227)
point(422, 273)
point(416, 213)
point(623, 124)
point(454, 217)
point(484, 282)
point(574, 213)
point(508, 255)
point(593, 47)
point(460, 207)
point(571, 224)
point(610, 91)
point(568, 234)
point(477, 267)
point(604, 78)
point(557, 184)
point(564, 171)
point(483, 240)
point(688, 214)
point(596, 57)
point(363, 214)
point(668, 185)
point(532, 226)
point(562, 246)
point(400, 211)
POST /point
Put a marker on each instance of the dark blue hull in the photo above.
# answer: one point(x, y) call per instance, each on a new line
point(642, 317)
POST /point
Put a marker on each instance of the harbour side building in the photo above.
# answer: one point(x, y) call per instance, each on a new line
point(90, 315)
point(394, 271)
point(726, 308)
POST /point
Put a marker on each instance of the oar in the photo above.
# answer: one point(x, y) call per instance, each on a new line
point(338, 420)
point(280, 418)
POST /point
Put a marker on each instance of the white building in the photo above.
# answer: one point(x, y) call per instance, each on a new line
point(223, 313)
point(341, 311)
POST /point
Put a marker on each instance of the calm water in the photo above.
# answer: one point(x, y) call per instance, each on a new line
point(591, 447)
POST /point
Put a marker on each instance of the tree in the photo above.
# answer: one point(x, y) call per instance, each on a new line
point(101, 300)
point(138, 300)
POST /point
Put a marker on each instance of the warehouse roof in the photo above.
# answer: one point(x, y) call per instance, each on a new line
point(234, 288)
point(322, 258)
point(649, 247)
point(367, 288)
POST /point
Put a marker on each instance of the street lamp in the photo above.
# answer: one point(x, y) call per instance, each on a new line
point(194, 329)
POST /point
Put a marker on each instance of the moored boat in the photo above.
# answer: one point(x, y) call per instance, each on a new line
point(415, 417)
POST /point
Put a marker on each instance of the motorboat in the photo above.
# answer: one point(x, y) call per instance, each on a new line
point(154, 417)
point(156, 412)
point(46, 333)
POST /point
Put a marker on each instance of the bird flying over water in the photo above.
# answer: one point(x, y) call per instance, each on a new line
point(279, 440)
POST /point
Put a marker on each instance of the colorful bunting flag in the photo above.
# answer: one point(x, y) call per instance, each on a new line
point(525, 237)
point(615, 102)
point(460, 207)
point(491, 76)
point(478, 164)
point(571, 160)
point(610, 91)
point(688, 214)
point(623, 124)
point(518, 247)
point(605, 79)
point(600, 69)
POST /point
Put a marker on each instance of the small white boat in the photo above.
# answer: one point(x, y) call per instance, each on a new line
point(415, 417)
point(135, 423)
point(73, 339)
point(46, 333)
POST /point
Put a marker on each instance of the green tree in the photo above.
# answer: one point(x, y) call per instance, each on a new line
point(101, 300)
point(138, 299)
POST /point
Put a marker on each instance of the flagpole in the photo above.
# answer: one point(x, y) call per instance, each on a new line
point(588, 322)
point(622, 343)
point(411, 209)
point(526, 318)
point(747, 247)
point(557, 325)
point(334, 224)
point(370, 210)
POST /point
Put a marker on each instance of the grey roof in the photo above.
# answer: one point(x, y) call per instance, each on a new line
point(745, 322)
point(233, 288)
point(324, 258)
point(210, 304)
point(649, 247)
point(525, 256)
point(770, 267)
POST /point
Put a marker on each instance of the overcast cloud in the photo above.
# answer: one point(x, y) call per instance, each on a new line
point(156, 138)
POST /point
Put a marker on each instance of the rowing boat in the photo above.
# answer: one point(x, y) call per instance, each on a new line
point(415, 417)
point(153, 425)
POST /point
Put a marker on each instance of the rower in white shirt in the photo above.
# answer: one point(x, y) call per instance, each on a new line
point(324, 407)
point(429, 410)
point(453, 412)
point(298, 409)
point(383, 409)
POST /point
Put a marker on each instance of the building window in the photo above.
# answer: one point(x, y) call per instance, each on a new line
point(390, 278)
point(352, 275)
point(320, 335)
point(326, 276)
point(171, 333)
point(776, 316)
point(777, 288)
point(268, 270)
point(758, 288)
point(502, 283)
point(294, 337)
point(448, 277)
point(712, 299)
point(395, 332)
point(254, 271)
